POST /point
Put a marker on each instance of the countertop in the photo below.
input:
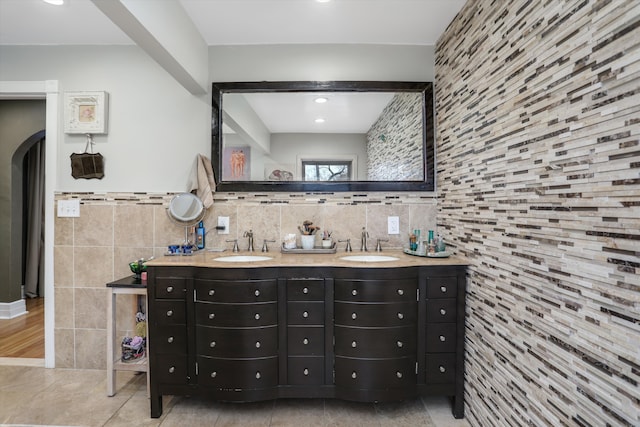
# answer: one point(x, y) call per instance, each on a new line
point(206, 258)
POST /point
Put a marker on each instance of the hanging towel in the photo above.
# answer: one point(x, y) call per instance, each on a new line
point(202, 181)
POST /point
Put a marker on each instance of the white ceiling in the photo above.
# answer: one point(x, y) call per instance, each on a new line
point(232, 22)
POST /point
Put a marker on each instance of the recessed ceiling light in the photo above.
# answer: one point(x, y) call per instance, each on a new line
point(55, 2)
point(319, 120)
point(320, 100)
point(323, 1)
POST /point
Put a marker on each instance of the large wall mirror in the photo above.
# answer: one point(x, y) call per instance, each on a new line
point(323, 136)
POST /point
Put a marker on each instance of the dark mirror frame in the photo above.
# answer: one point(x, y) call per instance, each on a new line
point(428, 134)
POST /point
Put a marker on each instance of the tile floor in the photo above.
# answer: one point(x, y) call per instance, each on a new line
point(35, 396)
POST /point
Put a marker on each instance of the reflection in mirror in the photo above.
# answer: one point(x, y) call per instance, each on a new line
point(277, 136)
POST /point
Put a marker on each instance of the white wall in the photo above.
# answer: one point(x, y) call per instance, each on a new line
point(155, 126)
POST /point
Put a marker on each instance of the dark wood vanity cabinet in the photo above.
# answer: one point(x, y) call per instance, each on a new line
point(363, 334)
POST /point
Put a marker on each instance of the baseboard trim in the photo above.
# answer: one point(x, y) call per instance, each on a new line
point(9, 310)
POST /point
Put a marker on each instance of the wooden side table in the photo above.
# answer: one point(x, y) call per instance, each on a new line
point(128, 286)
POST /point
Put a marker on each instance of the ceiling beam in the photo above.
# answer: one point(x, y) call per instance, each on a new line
point(167, 34)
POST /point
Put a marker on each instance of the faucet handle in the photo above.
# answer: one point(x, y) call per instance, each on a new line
point(348, 248)
point(265, 248)
point(379, 246)
point(235, 245)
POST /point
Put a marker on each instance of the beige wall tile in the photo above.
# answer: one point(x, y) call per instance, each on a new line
point(90, 309)
point(94, 227)
point(377, 225)
point(64, 308)
point(133, 226)
point(65, 348)
point(263, 220)
point(63, 266)
point(123, 256)
point(93, 266)
point(90, 348)
point(63, 231)
point(346, 222)
point(166, 232)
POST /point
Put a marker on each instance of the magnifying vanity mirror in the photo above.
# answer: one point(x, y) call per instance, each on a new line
point(323, 136)
point(186, 209)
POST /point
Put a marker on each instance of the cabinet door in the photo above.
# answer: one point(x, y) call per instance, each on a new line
point(354, 290)
point(236, 315)
point(238, 374)
point(375, 342)
point(375, 374)
point(237, 342)
point(236, 291)
point(391, 314)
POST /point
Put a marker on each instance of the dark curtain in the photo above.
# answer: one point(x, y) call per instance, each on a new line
point(34, 201)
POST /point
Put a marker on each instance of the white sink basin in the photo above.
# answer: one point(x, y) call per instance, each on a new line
point(369, 258)
point(242, 258)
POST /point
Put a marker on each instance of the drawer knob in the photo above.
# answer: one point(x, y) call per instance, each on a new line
point(257, 316)
point(212, 315)
point(172, 369)
point(399, 374)
point(258, 376)
point(305, 314)
point(400, 292)
point(211, 292)
point(443, 338)
point(170, 340)
point(257, 344)
point(354, 344)
point(354, 316)
point(214, 374)
point(257, 293)
point(354, 292)
point(354, 375)
point(443, 311)
point(169, 313)
point(400, 316)
point(305, 372)
point(305, 290)
point(212, 344)
point(400, 344)
point(169, 288)
point(442, 369)
point(443, 289)
point(305, 341)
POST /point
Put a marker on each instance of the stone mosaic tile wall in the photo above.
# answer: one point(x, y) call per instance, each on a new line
point(397, 135)
point(116, 228)
point(538, 119)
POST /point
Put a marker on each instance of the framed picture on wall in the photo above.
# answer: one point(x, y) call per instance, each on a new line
point(85, 112)
point(236, 163)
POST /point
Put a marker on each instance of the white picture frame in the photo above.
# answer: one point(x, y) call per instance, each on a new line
point(86, 112)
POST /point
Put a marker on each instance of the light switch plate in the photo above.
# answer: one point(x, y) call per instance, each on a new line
point(393, 225)
point(69, 208)
point(223, 221)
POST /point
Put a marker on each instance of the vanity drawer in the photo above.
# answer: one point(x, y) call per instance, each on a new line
point(441, 337)
point(375, 290)
point(305, 313)
point(375, 342)
point(236, 315)
point(305, 289)
point(238, 374)
point(441, 310)
point(170, 339)
point(170, 287)
point(171, 368)
point(305, 370)
point(237, 342)
point(442, 287)
point(440, 368)
point(169, 312)
point(236, 291)
point(375, 374)
point(391, 314)
point(305, 341)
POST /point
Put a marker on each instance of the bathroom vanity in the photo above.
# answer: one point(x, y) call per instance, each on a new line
point(314, 326)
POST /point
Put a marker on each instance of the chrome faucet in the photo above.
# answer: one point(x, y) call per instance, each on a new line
point(235, 245)
point(265, 248)
point(348, 247)
point(379, 246)
point(249, 234)
point(365, 235)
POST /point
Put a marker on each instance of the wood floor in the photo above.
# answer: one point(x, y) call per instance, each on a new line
point(23, 336)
